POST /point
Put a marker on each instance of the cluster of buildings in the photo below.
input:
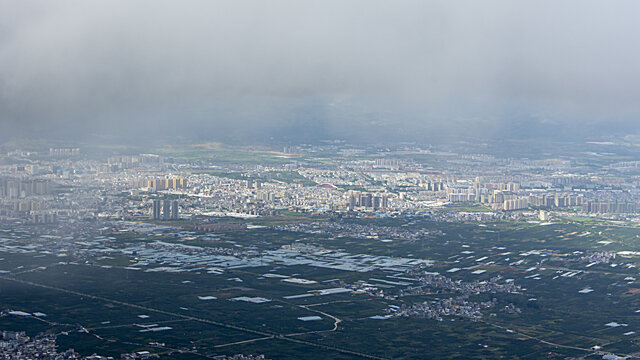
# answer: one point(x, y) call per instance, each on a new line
point(388, 163)
point(85, 201)
point(510, 196)
point(26, 198)
point(241, 357)
point(165, 210)
point(166, 183)
point(601, 257)
point(368, 201)
point(17, 188)
point(338, 228)
point(615, 207)
point(64, 152)
point(70, 186)
point(460, 306)
point(514, 198)
point(16, 345)
point(142, 161)
point(430, 282)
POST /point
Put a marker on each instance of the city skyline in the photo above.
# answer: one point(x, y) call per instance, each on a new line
point(338, 179)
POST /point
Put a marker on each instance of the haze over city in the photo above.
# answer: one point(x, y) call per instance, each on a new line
point(253, 180)
point(314, 70)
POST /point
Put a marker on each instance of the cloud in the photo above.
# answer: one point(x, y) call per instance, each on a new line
point(339, 67)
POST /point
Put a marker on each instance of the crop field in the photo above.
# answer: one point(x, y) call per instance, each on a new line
point(107, 301)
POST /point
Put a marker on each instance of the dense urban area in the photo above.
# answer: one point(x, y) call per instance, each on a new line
point(374, 251)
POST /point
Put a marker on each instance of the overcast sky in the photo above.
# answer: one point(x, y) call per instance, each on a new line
point(324, 67)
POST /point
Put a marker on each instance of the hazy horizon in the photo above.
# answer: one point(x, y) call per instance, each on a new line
point(336, 179)
point(306, 71)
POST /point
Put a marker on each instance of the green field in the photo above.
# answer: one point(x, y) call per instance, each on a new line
point(557, 323)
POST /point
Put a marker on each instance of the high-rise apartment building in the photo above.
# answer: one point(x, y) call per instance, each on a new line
point(165, 210)
point(156, 212)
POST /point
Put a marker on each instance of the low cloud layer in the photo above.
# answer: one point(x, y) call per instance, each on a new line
point(317, 69)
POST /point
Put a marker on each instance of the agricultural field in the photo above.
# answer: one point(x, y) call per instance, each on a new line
point(333, 288)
